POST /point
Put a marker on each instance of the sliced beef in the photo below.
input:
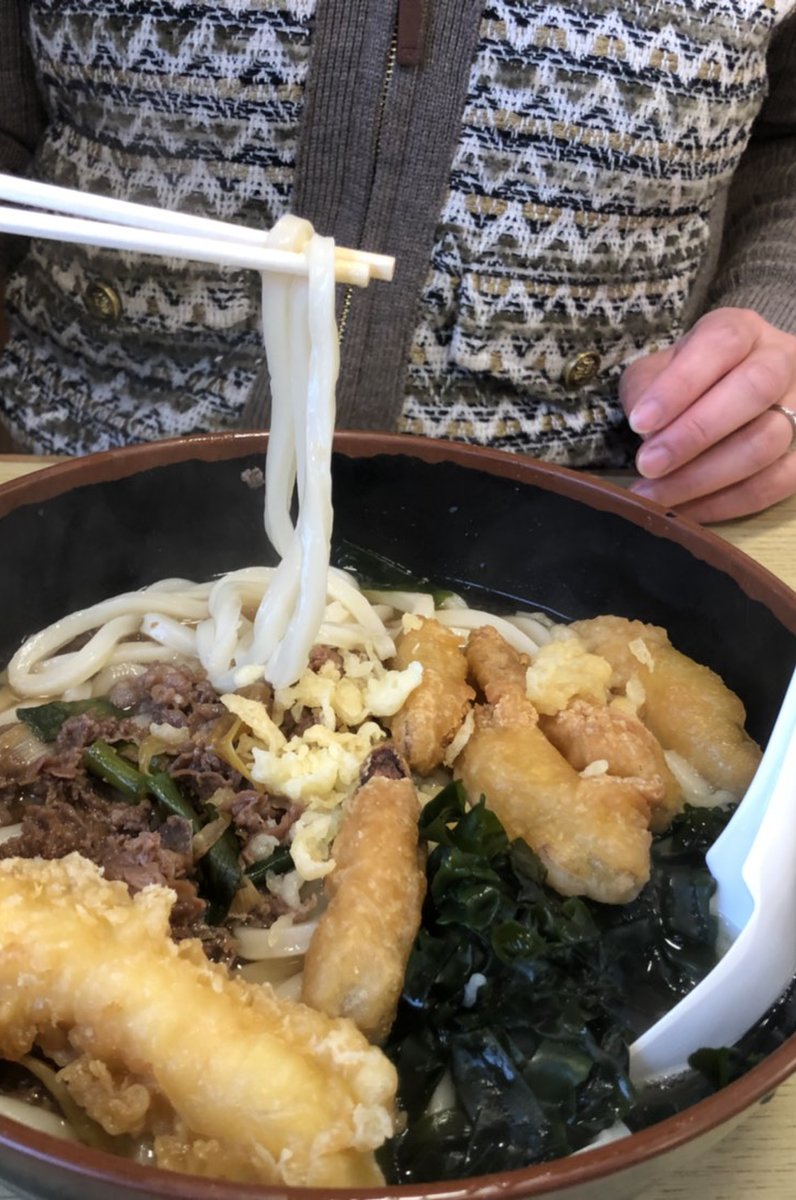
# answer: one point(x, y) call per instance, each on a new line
point(85, 794)
point(117, 837)
point(168, 694)
point(262, 692)
point(256, 812)
point(384, 761)
point(65, 759)
point(320, 655)
point(64, 808)
point(58, 828)
point(143, 860)
point(202, 772)
point(176, 834)
point(217, 942)
point(292, 727)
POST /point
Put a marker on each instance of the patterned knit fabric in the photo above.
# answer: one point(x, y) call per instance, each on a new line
point(596, 138)
point(194, 106)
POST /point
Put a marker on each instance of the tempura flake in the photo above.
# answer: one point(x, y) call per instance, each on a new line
point(240, 1084)
point(687, 706)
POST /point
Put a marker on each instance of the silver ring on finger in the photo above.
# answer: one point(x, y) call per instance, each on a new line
point(790, 416)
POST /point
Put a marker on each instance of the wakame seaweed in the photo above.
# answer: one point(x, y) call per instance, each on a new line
point(377, 572)
point(519, 1004)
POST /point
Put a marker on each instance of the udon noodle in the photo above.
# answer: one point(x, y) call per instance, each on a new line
point(300, 338)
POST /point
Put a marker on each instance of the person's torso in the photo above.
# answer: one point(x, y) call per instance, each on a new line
point(595, 139)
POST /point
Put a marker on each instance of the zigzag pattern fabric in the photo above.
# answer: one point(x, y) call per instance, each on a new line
point(191, 105)
point(596, 138)
point(595, 141)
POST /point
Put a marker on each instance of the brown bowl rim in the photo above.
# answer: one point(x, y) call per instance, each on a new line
point(757, 1085)
point(755, 580)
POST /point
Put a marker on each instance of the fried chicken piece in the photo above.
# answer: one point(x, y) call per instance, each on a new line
point(590, 833)
point(687, 706)
point(498, 669)
point(429, 720)
point(586, 733)
point(357, 958)
point(284, 1094)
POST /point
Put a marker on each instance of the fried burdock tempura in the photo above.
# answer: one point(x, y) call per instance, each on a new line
point(591, 833)
point(432, 715)
point(357, 958)
point(686, 706)
point(227, 1079)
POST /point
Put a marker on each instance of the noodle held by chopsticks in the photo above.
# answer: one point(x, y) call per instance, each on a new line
point(300, 337)
point(303, 379)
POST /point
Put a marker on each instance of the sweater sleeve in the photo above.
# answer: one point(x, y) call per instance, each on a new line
point(757, 265)
point(21, 110)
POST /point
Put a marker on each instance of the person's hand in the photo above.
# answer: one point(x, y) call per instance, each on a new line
point(713, 446)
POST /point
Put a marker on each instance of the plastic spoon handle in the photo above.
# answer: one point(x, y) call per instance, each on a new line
point(761, 961)
point(727, 855)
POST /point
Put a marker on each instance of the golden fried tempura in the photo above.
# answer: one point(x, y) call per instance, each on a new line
point(433, 713)
point(240, 1083)
point(590, 833)
point(357, 958)
point(586, 733)
point(687, 706)
point(498, 669)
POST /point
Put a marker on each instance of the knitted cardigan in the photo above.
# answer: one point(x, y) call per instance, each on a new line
point(554, 179)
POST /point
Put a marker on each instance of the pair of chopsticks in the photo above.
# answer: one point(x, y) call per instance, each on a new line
point(121, 225)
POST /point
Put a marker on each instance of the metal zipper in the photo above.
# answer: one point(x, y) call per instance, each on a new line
point(389, 70)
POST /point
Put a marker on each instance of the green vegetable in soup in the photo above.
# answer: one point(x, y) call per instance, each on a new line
point(519, 1004)
point(220, 864)
point(277, 863)
point(46, 719)
point(102, 760)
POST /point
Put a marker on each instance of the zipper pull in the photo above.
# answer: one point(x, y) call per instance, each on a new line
point(411, 32)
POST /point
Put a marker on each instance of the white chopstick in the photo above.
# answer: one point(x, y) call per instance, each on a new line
point(168, 245)
point(184, 232)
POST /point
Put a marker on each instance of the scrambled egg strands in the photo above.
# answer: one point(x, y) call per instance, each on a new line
point(319, 767)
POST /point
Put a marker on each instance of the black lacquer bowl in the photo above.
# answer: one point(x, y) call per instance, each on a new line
point(507, 532)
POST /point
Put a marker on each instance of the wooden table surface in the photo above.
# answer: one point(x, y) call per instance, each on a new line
point(758, 1162)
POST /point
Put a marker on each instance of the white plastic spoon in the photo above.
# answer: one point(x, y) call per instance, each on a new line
point(754, 864)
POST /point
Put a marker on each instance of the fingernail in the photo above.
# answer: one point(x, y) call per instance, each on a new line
point(643, 489)
point(653, 460)
point(645, 417)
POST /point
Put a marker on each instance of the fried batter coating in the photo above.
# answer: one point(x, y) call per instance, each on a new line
point(586, 732)
point(282, 1093)
point(115, 1100)
point(590, 833)
point(429, 720)
point(498, 669)
point(687, 706)
point(357, 958)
